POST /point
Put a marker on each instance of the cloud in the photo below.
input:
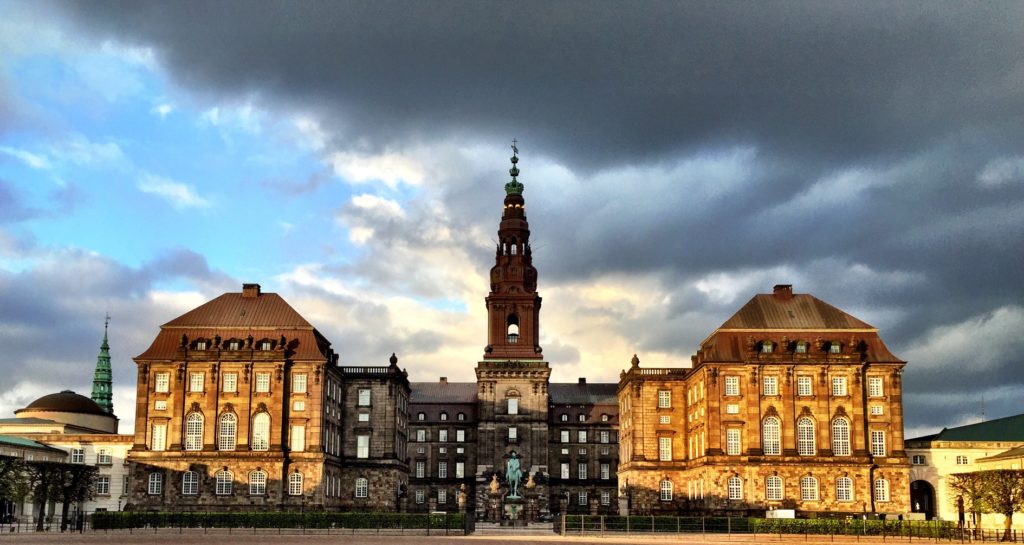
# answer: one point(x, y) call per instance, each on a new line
point(33, 160)
point(177, 194)
point(163, 109)
point(1002, 171)
point(389, 168)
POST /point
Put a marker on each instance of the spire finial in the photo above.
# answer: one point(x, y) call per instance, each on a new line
point(514, 187)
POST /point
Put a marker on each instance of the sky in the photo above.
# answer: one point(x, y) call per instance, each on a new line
point(678, 158)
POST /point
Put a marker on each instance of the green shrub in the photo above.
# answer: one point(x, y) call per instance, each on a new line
point(120, 520)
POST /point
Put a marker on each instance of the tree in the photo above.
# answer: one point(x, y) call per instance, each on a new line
point(996, 491)
point(77, 484)
point(967, 486)
point(13, 482)
point(44, 485)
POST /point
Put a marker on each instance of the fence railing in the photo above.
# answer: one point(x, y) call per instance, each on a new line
point(853, 527)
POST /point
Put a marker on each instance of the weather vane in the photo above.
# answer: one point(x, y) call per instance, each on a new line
point(515, 150)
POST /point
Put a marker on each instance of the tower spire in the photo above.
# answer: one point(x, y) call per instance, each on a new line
point(514, 187)
point(102, 381)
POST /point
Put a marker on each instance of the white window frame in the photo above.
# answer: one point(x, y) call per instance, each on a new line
point(103, 485)
point(196, 381)
point(227, 435)
point(189, 483)
point(875, 387)
point(365, 397)
point(194, 427)
point(295, 484)
point(421, 469)
point(158, 440)
point(774, 488)
point(770, 386)
point(844, 489)
point(362, 446)
point(806, 443)
point(564, 470)
point(808, 488)
point(665, 490)
point(734, 487)
point(262, 383)
point(878, 443)
point(771, 436)
point(605, 471)
point(881, 490)
point(103, 457)
point(299, 383)
point(260, 432)
point(230, 383)
point(839, 388)
point(225, 483)
point(732, 386)
point(257, 483)
point(581, 470)
point(733, 441)
point(665, 449)
point(581, 436)
point(664, 399)
point(156, 484)
point(77, 456)
point(804, 386)
point(513, 405)
point(298, 438)
point(442, 469)
point(162, 383)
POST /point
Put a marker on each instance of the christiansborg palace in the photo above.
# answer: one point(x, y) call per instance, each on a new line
point(790, 404)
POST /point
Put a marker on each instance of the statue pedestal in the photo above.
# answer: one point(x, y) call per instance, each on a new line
point(493, 507)
point(515, 512)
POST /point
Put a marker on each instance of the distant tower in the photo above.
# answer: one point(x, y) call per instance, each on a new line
point(101, 380)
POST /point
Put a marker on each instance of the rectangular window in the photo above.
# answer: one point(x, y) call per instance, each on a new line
point(299, 405)
point(844, 489)
point(732, 408)
point(564, 470)
point(103, 457)
point(664, 419)
point(513, 434)
point(442, 436)
point(162, 382)
point(876, 410)
point(421, 469)
point(664, 399)
point(665, 449)
point(513, 405)
point(606, 471)
point(581, 436)
point(156, 484)
point(362, 488)
point(606, 498)
point(160, 405)
point(766, 348)
point(77, 456)
point(299, 383)
point(298, 438)
point(960, 460)
point(362, 446)
point(732, 442)
point(839, 386)
point(442, 470)
point(265, 345)
point(230, 382)
point(460, 436)
point(442, 496)
point(420, 496)
point(421, 436)
point(159, 439)
point(803, 386)
point(877, 443)
point(103, 485)
point(364, 397)
point(801, 348)
point(125, 485)
point(732, 386)
point(565, 436)
point(262, 382)
point(835, 348)
point(582, 470)
point(460, 470)
point(583, 452)
point(771, 386)
point(582, 498)
point(917, 459)
point(605, 436)
point(195, 382)
point(189, 483)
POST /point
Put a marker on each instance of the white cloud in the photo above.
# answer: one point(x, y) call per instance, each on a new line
point(82, 151)
point(33, 160)
point(985, 341)
point(163, 109)
point(178, 194)
point(389, 168)
point(1002, 171)
point(313, 136)
point(244, 116)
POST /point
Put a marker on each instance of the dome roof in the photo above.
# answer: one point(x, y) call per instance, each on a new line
point(65, 402)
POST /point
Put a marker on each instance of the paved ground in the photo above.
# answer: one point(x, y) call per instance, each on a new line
point(223, 538)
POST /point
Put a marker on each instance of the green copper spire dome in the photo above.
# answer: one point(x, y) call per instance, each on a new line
point(102, 393)
point(514, 187)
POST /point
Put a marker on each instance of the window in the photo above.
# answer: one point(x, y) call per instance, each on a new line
point(160, 405)
point(299, 383)
point(665, 490)
point(421, 436)
point(230, 382)
point(103, 485)
point(362, 446)
point(803, 386)
point(838, 386)
point(298, 438)
point(564, 418)
point(103, 457)
point(664, 419)
point(421, 417)
point(262, 382)
point(156, 484)
point(460, 470)
point(582, 418)
point(732, 386)
point(801, 347)
point(442, 470)
point(773, 488)
point(461, 417)
point(875, 386)
point(835, 348)
point(266, 345)
point(917, 459)
point(605, 436)
point(606, 498)
point(234, 345)
point(732, 442)
point(606, 472)
point(460, 436)
point(605, 418)
point(664, 399)
point(766, 347)
point(771, 386)
point(513, 434)
point(300, 405)
point(771, 436)
point(582, 470)
point(442, 450)
point(732, 408)
point(564, 473)
point(841, 437)
point(420, 496)
point(77, 456)
point(295, 484)
point(565, 436)
point(261, 432)
point(189, 483)
point(194, 432)
point(225, 481)
point(881, 490)
point(665, 449)
point(960, 460)
point(442, 496)
point(195, 382)
point(735, 486)
point(421, 469)
point(513, 405)
point(581, 436)
point(805, 437)
point(582, 498)
point(442, 436)
point(162, 382)
point(844, 489)
point(125, 485)
point(364, 397)
point(228, 429)
point(444, 416)
point(159, 439)
point(583, 452)
point(877, 443)
point(808, 489)
point(257, 483)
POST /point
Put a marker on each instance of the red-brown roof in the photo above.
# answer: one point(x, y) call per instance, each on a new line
point(799, 311)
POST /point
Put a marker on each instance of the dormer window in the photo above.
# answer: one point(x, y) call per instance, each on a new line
point(421, 416)
point(565, 418)
point(266, 345)
point(444, 416)
point(512, 328)
point(767, 347)
point(234, 345)
point(801, 347)
point(834, 348)
point(200, 345)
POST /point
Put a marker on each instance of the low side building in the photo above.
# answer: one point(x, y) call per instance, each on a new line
point(583, 455)
point(442, 449)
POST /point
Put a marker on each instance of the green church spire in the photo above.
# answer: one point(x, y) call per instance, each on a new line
point(102, 379)
point(514, 187)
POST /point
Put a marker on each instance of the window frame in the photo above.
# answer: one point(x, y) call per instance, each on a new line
point(774, 488)
point(190, 483)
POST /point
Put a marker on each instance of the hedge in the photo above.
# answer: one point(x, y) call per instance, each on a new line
point(115, 520)
point(753, 525)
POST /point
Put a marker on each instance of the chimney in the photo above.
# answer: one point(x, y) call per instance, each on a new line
point(583, 380)
point(444, 380)
point(783, 291)
point(250, 290)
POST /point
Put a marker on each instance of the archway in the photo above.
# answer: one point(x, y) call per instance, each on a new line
point(922, 498)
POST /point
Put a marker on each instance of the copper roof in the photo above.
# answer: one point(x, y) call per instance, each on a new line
point(799, 311)
point(65, 402)
point(1009, 428)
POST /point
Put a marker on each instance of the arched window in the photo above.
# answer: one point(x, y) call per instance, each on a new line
point(771, 436)
point(808, 488)
point(735, 487)
point(257, 483)
point(228, 432)
point(421, 416)
point(773, 488)
point(194, 432)
point(189, 483)
point(444, 416)
point(564, 418)
point(261, 432)
point(881, 490)
point(805, 436)
point(513, 249)
point(224, 483)
point(844, 489)
point(666, 490)
point(840, 437)
point(460, 417)
point(767, 347)
point(295, 484)
point(362, 488)
point(512, 324)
